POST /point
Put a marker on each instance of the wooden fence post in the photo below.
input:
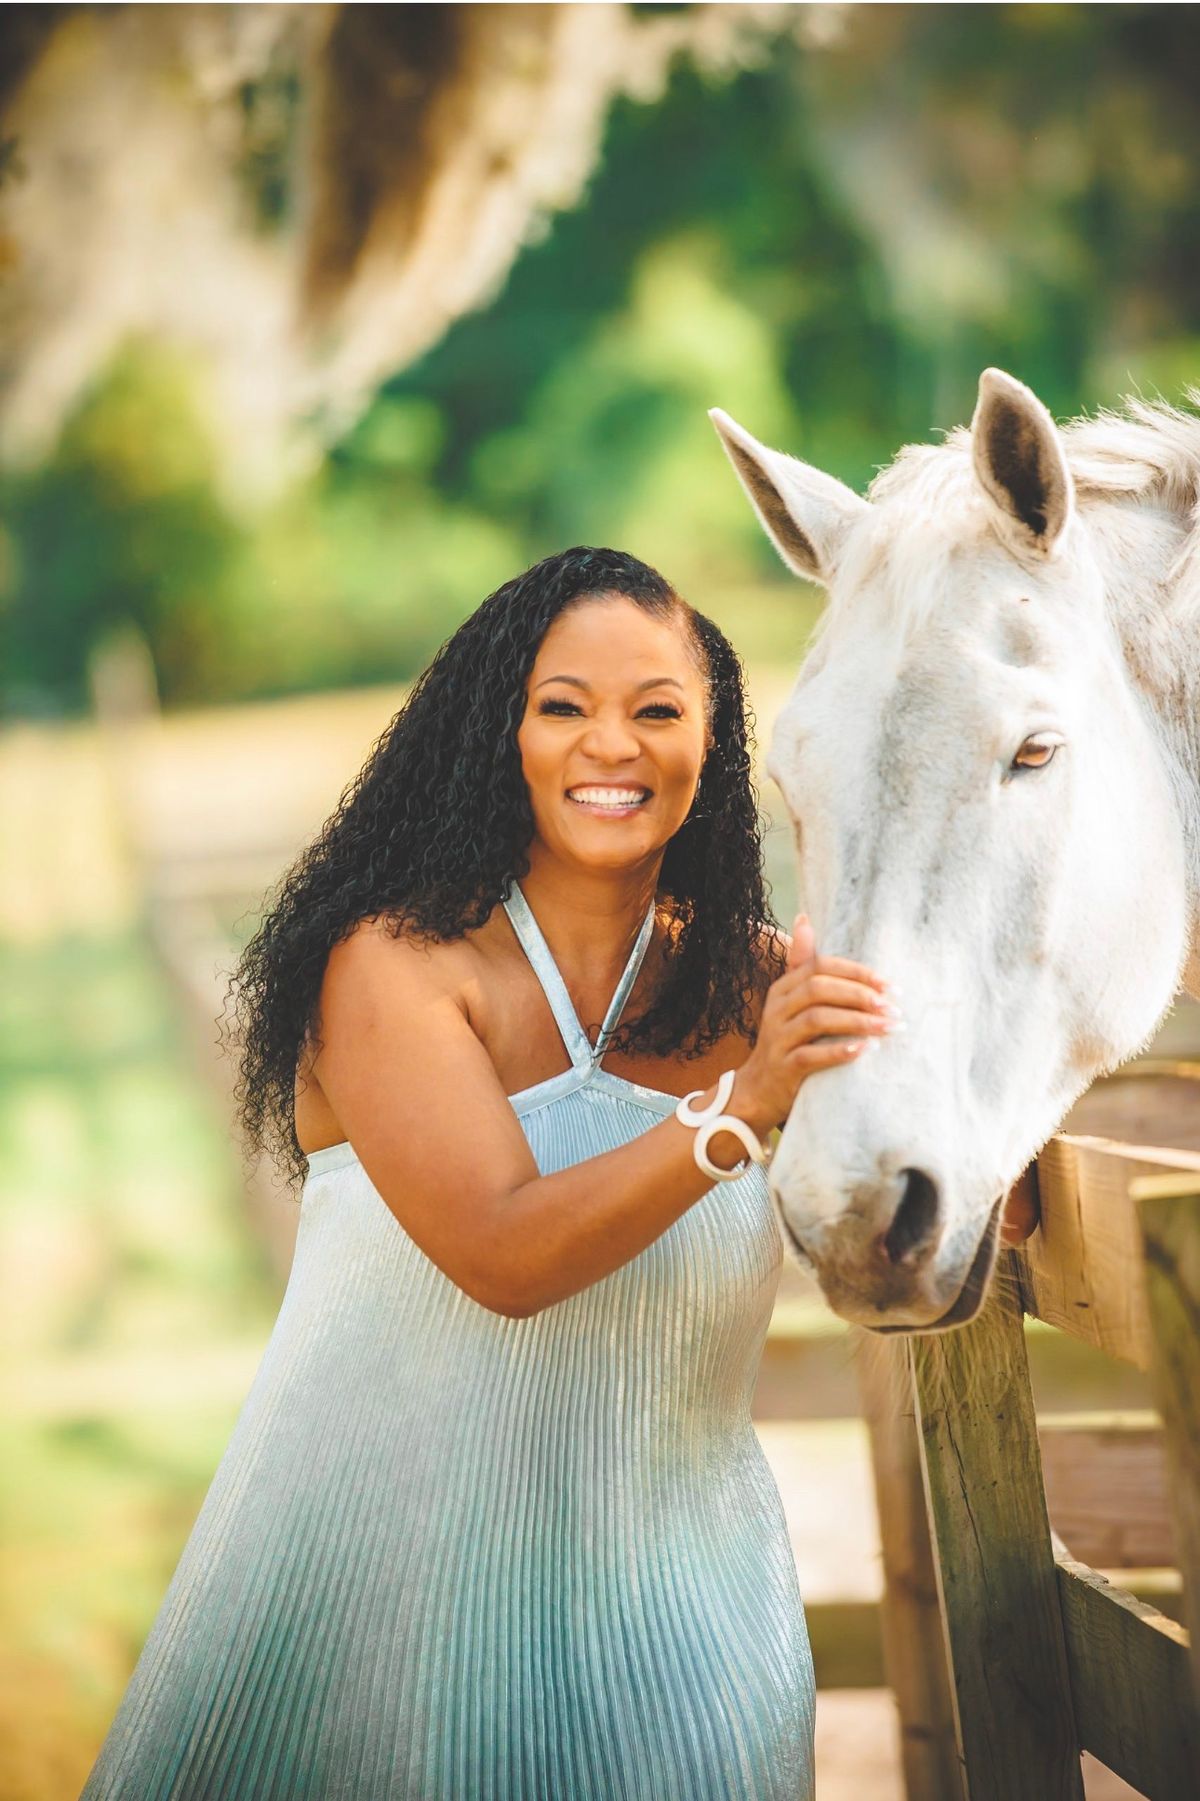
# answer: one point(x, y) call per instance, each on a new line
point(914, 1641)
point(994, 1558)
point(1169, 1213)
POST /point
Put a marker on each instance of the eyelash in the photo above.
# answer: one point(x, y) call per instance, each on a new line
point(658, 709)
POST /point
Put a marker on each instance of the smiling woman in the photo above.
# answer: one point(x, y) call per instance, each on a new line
point(494, 1522)
point(629, 740)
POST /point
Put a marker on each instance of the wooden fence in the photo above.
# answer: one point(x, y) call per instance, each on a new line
point(1008, 1652)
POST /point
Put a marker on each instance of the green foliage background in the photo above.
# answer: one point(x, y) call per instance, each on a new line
point(830, 246)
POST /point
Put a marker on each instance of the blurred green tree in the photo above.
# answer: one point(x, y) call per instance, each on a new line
point(121, 526)
point(830, 246)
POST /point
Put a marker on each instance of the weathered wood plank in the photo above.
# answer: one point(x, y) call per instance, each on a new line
point(847, 1647)
point(1080, 1269)
point(1131, 1685)
point(914, 1643)
point(1106, 1488)
point(1170, 1224)
point(1153, 1101)
point(996, 1568)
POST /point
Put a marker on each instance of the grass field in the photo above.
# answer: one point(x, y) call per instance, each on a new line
point(137, 1305)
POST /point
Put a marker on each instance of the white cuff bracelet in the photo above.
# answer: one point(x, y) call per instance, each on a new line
point(713, 1119)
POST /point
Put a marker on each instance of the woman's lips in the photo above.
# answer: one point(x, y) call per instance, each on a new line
point(608, 802)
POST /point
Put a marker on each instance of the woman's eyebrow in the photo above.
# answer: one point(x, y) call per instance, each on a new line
point(575, 681)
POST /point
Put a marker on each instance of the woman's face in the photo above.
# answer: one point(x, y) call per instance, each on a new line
point(614, 734)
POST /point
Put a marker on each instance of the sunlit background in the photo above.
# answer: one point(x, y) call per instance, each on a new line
point(318, 324)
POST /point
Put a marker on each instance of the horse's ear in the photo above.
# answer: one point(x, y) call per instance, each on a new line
point(804, 513)
point(1019, 460)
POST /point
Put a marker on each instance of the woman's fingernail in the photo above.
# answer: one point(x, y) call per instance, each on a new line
point(896, 1025)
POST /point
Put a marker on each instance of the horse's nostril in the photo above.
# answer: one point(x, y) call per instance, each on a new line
point(914, 1225)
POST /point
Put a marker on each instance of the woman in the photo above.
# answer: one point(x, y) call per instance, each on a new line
point(493, 1524)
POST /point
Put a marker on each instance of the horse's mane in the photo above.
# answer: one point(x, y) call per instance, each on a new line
point(1150, 450)
point(1147, 453)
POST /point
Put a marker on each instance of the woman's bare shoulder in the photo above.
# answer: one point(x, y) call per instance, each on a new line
point(380, 951)
point(378, 977)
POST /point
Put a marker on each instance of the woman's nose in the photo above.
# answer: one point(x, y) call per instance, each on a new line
point(611, 741)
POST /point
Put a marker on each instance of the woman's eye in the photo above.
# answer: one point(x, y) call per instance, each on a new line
point(1036, 752)
point(658, 709)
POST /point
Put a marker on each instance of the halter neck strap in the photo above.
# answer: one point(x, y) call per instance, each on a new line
point(584, 1056)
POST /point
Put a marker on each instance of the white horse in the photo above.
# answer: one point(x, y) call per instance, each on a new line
point(992, 761)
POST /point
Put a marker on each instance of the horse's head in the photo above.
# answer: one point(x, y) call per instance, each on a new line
point(984, 813)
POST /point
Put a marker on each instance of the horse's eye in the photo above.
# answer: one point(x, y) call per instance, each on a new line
point(1036, 752)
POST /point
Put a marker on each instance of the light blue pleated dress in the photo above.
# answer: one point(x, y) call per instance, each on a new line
point(450, 1556)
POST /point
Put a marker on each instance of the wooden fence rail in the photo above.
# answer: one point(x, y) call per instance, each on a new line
point(1039, 1657)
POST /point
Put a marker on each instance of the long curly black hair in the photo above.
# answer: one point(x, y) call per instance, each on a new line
point(437, 823)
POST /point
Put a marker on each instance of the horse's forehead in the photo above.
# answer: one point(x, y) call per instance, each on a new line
point(920, 610)
point(878, 699)
point(951, 667)
point(845, 732)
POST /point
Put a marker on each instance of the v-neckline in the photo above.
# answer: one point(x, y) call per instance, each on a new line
point(582, 1053)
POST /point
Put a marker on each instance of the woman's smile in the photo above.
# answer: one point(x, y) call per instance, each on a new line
point(608, 801)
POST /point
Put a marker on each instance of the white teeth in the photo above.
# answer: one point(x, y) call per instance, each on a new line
point(608, 797)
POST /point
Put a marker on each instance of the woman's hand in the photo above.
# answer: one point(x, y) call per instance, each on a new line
point(821, 1012)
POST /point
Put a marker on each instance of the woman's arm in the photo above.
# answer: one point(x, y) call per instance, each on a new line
point(417, 1095)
